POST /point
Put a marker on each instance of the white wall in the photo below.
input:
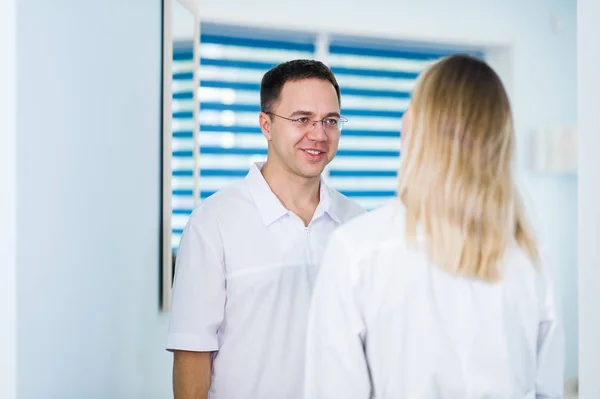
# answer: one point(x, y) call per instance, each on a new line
point(589, 197)
point(8, 204)
point(537, 64)
point(88, 168)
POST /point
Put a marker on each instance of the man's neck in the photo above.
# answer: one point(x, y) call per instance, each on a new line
point(299, 195)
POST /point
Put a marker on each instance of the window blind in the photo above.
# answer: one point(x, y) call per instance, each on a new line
point(232, 63)
point(376, 80)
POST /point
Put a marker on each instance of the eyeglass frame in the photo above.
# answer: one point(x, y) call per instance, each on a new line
point(314, 122)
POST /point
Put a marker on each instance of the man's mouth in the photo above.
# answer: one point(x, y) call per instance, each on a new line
point(313, 152)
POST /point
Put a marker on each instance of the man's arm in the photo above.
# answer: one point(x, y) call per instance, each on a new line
point(198, 304)
point(191, 374)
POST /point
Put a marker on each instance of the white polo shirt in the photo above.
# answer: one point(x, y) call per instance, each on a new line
point(243, 282)
point(387, 323)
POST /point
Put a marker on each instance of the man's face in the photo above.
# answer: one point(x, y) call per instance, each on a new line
point(302, 147)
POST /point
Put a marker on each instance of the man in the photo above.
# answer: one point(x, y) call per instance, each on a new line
point(249, 255)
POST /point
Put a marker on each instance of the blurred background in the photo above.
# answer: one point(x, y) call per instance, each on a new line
point(103, 191)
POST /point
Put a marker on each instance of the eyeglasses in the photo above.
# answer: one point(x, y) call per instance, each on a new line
point(331, 124)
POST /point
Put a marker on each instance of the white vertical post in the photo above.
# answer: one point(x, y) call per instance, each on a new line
point(167, 174)
point(322, 47)
point(588, 60)
point(8, 202)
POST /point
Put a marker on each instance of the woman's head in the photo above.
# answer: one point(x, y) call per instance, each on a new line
point(456, 172)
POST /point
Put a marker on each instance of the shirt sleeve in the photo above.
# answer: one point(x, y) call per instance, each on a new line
point(336, 366)
point(551, 340)
point(198, 300)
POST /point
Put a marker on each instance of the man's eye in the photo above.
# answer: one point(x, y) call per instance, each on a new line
point(331, 122)
point(302, 120)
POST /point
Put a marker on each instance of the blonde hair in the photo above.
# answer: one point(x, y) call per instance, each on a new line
point(456, 178)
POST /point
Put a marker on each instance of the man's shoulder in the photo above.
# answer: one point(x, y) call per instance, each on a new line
point(224, 201)
point(346, 208)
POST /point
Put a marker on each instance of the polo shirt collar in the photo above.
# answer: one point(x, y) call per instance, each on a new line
point(269, 206)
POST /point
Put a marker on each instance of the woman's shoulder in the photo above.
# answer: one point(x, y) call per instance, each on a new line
point(374, 228)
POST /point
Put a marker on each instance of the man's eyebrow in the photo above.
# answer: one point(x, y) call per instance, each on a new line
point(309, 113)
point(301, 113)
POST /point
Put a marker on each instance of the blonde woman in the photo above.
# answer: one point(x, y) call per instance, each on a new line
point(440, 293)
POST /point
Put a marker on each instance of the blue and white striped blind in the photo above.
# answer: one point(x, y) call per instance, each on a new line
point(376, 83)
point(232, 64)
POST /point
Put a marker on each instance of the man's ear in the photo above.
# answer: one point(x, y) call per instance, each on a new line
point(264, 121)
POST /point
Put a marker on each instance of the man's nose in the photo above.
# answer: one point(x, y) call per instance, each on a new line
point(318, 132)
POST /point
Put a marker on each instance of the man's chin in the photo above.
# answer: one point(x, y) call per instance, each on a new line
point(312, 172)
